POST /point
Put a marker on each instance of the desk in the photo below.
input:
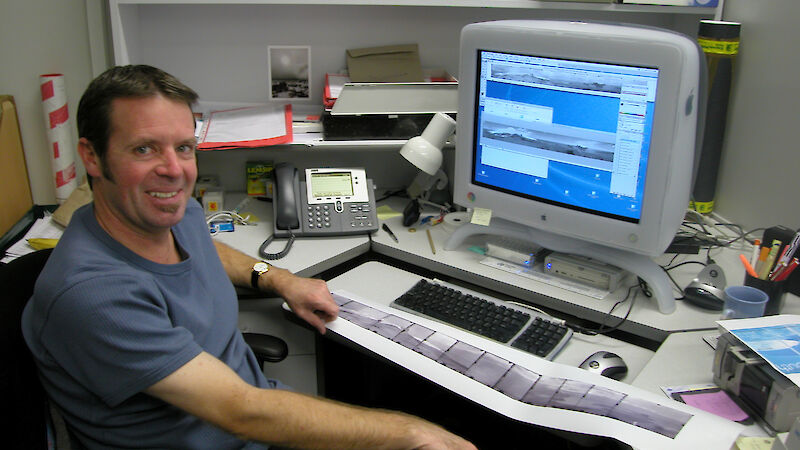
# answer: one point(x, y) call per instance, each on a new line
point(375, 285)
point(309, 256)
point(645, 320)
point(683, 359)
point(380, 283)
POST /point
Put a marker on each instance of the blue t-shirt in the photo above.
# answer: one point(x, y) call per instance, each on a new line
point(104, 324)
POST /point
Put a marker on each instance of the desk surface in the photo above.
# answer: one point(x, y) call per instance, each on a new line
point(311, 256)
point(684, 359)
point(375, 285)
point(380, 284)
point(308, 256)
point(645, 320)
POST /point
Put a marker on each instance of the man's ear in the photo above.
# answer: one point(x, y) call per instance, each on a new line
point(90, 159)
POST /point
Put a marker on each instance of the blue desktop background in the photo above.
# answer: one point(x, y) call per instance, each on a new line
point(578, 110)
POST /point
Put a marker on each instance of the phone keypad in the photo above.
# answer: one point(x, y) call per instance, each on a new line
point(319, 216)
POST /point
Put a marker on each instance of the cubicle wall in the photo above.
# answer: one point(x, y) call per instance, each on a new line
point(222, 52)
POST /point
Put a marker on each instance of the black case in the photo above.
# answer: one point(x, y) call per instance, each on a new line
point(347, 127)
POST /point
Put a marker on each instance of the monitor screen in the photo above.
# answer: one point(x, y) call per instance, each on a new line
point(565, 132)
point(331, 184)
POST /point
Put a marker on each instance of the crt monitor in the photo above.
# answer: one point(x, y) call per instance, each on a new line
point(579, 136)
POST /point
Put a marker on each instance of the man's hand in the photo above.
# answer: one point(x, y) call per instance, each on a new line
point(309, 298)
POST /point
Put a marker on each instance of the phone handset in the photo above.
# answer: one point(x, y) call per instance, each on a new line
point(285, 199)
point(286, 187)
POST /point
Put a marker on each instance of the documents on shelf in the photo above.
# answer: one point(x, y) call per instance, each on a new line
point(334, 82)
point(247, 127)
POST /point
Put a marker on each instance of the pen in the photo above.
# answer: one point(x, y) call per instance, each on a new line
point(748, 267)
point(771, 256)
point(788, 270)
point(762, 259)
point(754, 256)
point(389, 232)
point(790, 249)
point(779, 266)
point(430, 240)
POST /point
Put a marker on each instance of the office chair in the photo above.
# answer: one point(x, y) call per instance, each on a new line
point(23, 394)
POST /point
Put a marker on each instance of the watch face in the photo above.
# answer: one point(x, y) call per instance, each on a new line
point(261, 267)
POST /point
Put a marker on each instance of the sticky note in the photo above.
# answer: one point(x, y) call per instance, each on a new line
point(481, 216)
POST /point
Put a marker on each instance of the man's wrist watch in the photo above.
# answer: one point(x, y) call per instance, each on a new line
point(259, 268)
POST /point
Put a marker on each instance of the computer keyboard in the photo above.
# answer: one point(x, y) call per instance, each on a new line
point(494, 319)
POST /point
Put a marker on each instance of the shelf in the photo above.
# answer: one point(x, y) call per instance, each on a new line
point(520, 4)
point(320, 145)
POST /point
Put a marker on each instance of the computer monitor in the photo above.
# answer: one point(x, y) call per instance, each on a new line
point(580, 137)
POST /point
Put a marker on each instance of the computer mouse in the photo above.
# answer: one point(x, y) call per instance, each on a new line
point(606, 364)
point(707, 289)
point(704, 296)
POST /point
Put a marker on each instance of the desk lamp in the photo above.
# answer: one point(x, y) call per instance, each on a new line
point(425, 152)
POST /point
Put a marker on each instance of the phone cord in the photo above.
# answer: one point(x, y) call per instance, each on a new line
point(262, 250)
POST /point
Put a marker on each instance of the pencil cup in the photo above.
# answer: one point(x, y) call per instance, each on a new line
point(775, 290)
point(742, 302)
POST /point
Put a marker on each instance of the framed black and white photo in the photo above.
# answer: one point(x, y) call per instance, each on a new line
point(289, 72)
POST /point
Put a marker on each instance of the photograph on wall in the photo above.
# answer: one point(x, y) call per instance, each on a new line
point(289, 72)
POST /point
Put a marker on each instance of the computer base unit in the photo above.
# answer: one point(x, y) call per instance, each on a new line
point(585, 270)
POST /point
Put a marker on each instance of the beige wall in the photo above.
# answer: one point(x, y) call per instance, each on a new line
point(39, 37)
point(759, 184)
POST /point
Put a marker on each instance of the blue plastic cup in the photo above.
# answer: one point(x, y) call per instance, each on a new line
point(742, 302)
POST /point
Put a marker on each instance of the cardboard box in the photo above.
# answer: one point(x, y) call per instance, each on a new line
point(17, 198)
point(390, 63)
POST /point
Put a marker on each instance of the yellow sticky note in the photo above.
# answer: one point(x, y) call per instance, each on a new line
point(481, 216)
point(754, 443)
point(386, 212)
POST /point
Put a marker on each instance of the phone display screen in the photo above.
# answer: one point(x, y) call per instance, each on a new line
point(331, 184)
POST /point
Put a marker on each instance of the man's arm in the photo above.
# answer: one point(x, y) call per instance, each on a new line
point(210, 390)
point(309, 298)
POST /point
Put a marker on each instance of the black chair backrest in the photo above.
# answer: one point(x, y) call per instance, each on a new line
point(25, 400)
point(19, 382)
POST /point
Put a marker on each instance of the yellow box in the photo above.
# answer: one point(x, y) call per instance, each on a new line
point(259, 178)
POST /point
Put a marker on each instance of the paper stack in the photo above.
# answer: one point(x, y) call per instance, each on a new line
point(248, 127)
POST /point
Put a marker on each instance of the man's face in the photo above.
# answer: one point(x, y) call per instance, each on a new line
point(151, 163)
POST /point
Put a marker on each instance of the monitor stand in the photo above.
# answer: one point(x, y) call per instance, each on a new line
point(639, 265)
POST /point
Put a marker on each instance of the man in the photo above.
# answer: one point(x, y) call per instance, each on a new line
point(133, 320)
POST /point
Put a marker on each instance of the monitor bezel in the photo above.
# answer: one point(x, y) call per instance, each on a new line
point(668, 176)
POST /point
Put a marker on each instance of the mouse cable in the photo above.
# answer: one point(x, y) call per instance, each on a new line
point(262, 250)
point(671, 267)
point(602, 329)
point(391, 193)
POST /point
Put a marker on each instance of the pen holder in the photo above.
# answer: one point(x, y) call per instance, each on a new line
point(775, 290)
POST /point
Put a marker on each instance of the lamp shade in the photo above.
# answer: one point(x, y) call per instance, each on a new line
point(425, 151)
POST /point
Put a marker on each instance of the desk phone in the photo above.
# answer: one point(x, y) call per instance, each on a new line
point(328, 202)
